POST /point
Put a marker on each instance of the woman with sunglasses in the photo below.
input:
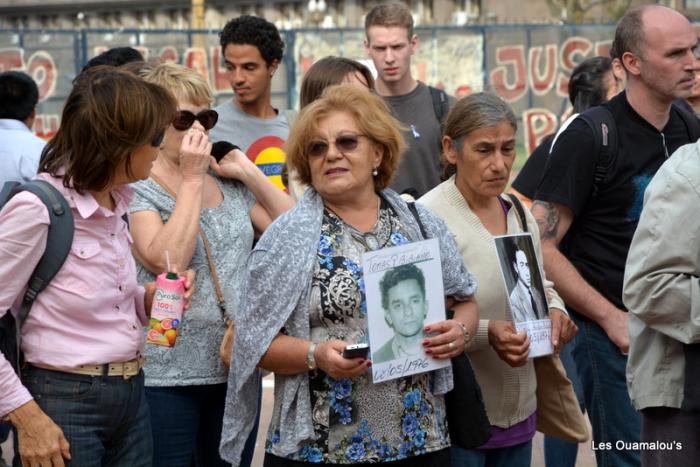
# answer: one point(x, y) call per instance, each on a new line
point(208, 224)
point(81, 399)
point(304, 302)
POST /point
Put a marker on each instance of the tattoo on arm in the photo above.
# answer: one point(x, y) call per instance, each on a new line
point(549, 223)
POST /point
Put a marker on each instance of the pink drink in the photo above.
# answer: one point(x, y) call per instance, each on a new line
point(166, 312)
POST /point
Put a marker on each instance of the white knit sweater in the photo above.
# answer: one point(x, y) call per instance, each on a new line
point(509, 393)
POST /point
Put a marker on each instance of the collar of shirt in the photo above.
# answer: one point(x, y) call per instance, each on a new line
point(85, 203)
point(12, 124)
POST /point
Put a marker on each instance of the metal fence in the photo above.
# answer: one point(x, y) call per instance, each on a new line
point(527, 65)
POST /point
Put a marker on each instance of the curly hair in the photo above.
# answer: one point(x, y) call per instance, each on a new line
point(256, 31)
point(372, 117)
point(398, 274)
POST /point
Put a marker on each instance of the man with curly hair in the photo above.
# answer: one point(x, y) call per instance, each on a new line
point(252, 50)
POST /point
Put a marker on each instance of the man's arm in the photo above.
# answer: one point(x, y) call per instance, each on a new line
point(554, 221)
point(662, 275)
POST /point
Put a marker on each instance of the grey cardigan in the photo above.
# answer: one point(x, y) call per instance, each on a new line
point(275, 294)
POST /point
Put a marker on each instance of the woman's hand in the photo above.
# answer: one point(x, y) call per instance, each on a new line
point(232, 165)
point(329, 358)
point(511, 346)
point(563, 329)
point(150, 290)
point(449, 341)
point(195, 153)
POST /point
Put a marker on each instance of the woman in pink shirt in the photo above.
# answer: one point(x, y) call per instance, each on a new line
point(81, 399)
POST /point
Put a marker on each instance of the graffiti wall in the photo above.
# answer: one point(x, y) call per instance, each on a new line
point(528, 66)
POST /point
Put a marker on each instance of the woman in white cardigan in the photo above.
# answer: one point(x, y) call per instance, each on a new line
point(479, 148)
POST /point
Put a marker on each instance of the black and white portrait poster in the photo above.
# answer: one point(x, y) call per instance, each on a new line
point(403, 286)
point(523, 280)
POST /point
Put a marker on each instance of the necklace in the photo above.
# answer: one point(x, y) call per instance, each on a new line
point(371, 241)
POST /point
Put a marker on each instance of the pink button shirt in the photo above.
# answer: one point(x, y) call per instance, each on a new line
point(92, 312)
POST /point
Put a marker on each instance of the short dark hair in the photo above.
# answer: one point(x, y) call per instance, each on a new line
point(399, 274)
point(18, 95)
point(327, 72)
point(256, 31)
point(629, 34)
point(108, 114)
point(116, 56)
point(587, 85)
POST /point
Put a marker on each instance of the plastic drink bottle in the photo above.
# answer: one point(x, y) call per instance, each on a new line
point(166, 312)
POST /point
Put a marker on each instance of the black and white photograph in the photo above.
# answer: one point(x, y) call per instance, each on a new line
point(523, 281)
point(404, 293)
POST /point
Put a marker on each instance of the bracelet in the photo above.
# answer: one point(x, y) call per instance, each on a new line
point(465, 334)
point(310, 357)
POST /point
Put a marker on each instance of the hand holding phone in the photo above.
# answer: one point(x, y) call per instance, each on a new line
point(356, 351)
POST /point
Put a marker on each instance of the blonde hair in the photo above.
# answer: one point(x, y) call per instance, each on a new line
point(185, 83)
point(372, 117)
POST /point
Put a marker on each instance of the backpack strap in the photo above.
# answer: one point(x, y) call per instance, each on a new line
point(58, 241)
point(604, 128)
point(692, 124)
point(441, 105)
point(520, 210)
point(414, 211)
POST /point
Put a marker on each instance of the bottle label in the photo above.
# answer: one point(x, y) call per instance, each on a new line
point(166, 313)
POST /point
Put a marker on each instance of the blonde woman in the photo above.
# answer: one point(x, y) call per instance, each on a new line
point(186, 384)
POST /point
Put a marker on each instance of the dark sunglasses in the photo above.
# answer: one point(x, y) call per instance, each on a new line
point(185, 119)
point(158, 139)
point(344, 143)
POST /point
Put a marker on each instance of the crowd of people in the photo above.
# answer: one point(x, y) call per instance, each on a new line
point(273, 262)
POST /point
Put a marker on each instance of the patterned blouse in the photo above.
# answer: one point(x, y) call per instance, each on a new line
point(356, 421)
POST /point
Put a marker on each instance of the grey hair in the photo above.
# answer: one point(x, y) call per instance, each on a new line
point(471, 113)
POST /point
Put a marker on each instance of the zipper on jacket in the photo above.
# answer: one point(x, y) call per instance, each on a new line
point(663, 141)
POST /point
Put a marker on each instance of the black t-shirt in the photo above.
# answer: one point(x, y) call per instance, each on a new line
point(600, 235)
point(531, 173)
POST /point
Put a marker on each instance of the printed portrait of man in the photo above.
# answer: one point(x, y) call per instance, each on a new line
point(527, 303)
point(405, 308)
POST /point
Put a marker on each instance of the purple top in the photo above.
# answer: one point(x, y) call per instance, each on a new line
point(516, 434)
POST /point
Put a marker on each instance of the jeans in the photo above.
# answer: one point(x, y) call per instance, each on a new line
point(104, 418)
point(187, 423)
point(519, 455)
point(678, 430)
point(557, 452)
point(601, 368)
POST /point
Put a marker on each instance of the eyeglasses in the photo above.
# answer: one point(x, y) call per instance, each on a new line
point(158, 139)
point(185, 119)
point(343, 143)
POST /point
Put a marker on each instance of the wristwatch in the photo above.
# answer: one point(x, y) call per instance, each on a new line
point(310, 358)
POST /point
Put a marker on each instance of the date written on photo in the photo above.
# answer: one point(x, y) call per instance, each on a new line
point(621, 445)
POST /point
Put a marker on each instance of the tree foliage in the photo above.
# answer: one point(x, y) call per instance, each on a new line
point(575, 11)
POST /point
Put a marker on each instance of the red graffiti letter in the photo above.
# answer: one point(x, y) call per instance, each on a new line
point(42, 68)
point(537, 123)
point(11, 58)
point(542, 78)
point(196, 58)
point(219, 71)
point(513, 55)
point(572, 48)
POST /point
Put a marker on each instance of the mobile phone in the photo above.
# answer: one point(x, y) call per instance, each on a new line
point(356, 351)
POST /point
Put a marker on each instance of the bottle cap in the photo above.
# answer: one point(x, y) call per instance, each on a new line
point(172, 276)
